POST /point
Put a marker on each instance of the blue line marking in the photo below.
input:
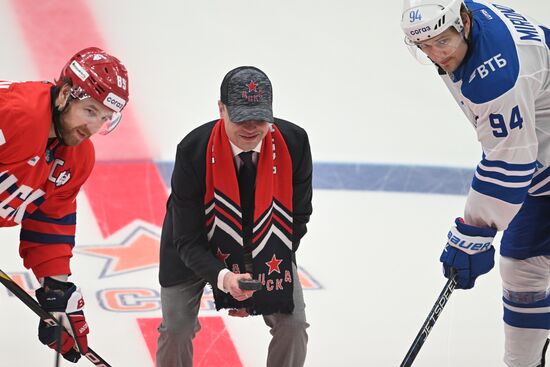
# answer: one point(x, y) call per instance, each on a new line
point(378, 177)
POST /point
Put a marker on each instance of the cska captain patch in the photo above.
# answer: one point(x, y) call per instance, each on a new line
point(63, 178)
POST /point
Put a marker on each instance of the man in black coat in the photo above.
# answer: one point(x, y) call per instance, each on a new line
point(240, 202)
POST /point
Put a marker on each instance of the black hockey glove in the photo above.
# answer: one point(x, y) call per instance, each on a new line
point(65, 302)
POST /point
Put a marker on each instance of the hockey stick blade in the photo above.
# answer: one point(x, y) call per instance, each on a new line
point(20, 293)
point(430, 321)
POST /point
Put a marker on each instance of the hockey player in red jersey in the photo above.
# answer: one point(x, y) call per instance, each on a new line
point(45, 157)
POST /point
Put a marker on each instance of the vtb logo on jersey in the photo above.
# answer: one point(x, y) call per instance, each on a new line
point(63, 177)
point(493, 64)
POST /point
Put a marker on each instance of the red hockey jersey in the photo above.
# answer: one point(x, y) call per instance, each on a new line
point(39, 178)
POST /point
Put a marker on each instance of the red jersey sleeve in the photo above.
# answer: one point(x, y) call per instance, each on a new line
point(25, 120)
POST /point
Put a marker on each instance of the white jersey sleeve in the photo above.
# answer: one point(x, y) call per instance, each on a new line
point(503, 88)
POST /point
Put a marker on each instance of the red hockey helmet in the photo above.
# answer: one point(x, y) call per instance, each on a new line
point(96, 74)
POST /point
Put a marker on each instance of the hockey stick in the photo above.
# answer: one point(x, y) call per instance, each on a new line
point(430, 321)
point(43, 314)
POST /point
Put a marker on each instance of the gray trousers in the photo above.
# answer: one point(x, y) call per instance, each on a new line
point(180, 308)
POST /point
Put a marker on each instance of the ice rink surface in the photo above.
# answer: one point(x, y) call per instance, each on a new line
point(393, 156)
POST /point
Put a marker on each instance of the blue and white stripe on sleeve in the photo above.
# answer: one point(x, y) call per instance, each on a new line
point(508, 182)
point(541, 183)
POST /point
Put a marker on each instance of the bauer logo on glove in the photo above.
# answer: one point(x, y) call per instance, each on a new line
point(469, 252)
point(468, 244)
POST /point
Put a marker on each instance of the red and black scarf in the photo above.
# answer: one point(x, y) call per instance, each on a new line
point(272, 229)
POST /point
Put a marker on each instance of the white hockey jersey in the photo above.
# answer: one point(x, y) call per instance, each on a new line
point(503, 87)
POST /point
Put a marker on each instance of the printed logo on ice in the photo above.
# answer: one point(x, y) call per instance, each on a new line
point(136, 248)
point(142, 299)
point(138, 251)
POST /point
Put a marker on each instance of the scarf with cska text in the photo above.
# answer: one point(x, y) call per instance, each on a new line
point(271, 244)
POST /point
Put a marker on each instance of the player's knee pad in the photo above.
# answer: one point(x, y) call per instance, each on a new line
point(525, 292)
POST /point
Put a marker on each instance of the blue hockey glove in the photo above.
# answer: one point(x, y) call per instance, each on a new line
point(65, 302)
point(469, 251)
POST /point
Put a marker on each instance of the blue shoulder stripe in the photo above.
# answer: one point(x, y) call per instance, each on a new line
point(491, 67)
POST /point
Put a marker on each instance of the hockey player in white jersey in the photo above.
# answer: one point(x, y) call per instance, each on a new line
point(496, 63)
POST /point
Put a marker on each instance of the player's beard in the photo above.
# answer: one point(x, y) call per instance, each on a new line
point(71, 135)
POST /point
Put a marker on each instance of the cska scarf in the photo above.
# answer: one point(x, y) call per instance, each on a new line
point(272, 229)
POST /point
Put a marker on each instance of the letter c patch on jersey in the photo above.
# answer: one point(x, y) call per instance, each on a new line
point(63, 177)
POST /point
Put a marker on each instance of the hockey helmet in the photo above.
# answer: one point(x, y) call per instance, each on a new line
point(425, 19)
point(96, 74)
